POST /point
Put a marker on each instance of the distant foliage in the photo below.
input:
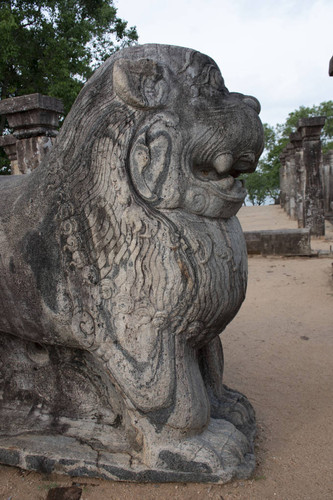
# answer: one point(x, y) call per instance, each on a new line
point(4, 163)
point(265, 182)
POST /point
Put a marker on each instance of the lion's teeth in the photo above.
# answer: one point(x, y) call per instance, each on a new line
point(223, 163)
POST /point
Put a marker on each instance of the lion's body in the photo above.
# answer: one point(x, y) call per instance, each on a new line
point(124, 244)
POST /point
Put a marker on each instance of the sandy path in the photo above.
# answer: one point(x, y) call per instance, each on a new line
point(279, 352)
point(271, 217)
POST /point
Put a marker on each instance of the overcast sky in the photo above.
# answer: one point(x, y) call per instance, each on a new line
point(276, 50)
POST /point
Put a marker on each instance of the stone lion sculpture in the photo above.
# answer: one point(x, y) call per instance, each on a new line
point(121, 263)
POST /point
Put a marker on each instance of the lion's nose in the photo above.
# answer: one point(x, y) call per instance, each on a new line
point(252, 102)
point(249, 100)
point(226, 165)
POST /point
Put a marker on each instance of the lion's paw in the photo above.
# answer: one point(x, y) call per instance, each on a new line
point(237, 409)
point(220, 450)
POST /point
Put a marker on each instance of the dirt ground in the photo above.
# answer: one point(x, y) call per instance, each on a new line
point(279, 352)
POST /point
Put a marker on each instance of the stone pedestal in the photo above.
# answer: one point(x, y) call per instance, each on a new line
point(35, 120)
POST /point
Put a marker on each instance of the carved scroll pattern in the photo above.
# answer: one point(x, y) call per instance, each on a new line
point(130, 264)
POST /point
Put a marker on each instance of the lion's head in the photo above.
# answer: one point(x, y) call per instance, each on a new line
point(188, 138)
point(201, 139)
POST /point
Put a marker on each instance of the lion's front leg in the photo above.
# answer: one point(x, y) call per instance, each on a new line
point(184, 438)
point(226, 403)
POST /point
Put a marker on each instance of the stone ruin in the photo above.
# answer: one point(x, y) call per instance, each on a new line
point(306, 177)
point(35, 120)
point(122, 261)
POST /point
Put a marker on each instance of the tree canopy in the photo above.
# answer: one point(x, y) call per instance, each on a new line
point(53, 46)
point(265, 181)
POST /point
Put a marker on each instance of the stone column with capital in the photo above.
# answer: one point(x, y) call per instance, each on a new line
point(34, 119)
point(287, 180)
point(310, 160)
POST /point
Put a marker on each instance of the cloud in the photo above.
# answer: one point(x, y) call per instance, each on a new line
point(276, 50)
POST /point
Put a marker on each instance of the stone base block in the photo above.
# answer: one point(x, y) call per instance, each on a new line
point(59, 413)
point(65, 455)
point(282, 242)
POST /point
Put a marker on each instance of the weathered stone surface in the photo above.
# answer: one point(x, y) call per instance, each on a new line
point(121, 263)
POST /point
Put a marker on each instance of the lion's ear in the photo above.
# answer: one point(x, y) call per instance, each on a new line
point(141, 83)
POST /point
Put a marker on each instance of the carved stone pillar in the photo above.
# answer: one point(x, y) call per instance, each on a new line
point(310, 129)
point(299, 178)
point(283, 175)
point(292, 181)
point(35, 120)
point(327, 180)
point(288, 183)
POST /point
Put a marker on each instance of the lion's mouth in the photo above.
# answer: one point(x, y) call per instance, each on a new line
point(222, 174)
point(224, 169)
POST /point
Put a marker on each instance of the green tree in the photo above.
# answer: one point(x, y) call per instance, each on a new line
point(265, 182)
point(53, 46)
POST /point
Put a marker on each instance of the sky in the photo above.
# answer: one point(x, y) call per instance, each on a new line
point(276, 50)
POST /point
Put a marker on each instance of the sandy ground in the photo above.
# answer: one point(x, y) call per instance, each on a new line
point(279, 352)
point(265, 217)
